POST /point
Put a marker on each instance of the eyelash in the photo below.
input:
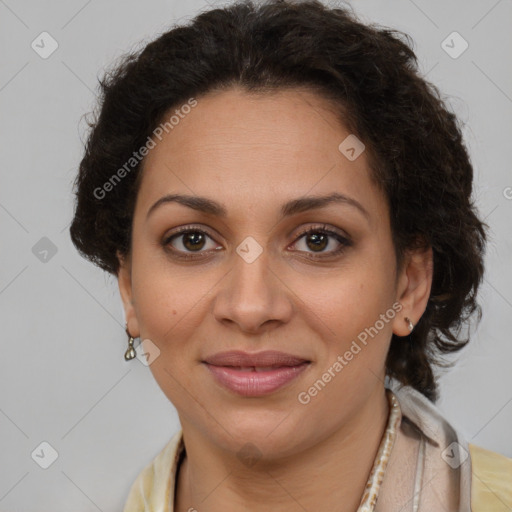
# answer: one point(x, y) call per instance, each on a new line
point(343, 241)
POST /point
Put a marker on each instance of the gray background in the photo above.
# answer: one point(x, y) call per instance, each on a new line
point(63, 378)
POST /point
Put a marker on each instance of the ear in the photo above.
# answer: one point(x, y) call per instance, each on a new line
point(413, 289)
point(124, 281)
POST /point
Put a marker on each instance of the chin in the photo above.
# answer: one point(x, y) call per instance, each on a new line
point(263, 432)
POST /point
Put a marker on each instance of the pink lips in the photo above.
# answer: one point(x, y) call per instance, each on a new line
point(255, 374)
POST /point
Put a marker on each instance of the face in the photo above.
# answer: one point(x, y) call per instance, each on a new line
point(261, 271)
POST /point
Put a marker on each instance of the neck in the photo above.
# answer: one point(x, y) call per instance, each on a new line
point(332, 474)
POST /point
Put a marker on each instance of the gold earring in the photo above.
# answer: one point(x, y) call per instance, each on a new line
point(409, 323)
point(130, 353)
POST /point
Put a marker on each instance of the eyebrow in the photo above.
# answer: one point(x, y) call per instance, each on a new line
point(292, 207)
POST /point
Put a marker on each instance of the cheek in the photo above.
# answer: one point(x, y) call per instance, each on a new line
point(350, 300)
point(353, 314)
point(169, 308)
point(156, 305)
point(168, 318)
point(352, 360)
point(165, 296)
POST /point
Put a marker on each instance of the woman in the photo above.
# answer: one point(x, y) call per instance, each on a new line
point(287, 207)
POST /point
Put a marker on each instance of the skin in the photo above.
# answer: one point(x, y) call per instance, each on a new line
point(252, 153)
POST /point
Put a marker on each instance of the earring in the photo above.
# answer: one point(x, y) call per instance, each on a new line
point(130, 352)
point(409, 323)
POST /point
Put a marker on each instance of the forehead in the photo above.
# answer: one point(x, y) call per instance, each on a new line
point(236, 145)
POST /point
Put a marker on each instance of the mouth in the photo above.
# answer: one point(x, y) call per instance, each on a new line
point(254, 375)
point(256, 368)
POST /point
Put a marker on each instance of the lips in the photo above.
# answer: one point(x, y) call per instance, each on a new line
point(253, 375)
point(255, 368)
point(267, 359)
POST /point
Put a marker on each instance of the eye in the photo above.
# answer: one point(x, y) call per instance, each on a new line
point(320, 239)
point(187, 240)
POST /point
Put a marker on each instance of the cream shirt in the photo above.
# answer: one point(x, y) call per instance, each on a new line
point(431, 468)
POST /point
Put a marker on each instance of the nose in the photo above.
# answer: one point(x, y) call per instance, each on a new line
point(252, 296)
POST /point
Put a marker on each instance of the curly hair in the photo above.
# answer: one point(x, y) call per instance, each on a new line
point(369, 73)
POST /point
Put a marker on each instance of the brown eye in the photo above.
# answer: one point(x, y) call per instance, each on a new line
point(187, 242)
point(193, 240)
point(317, 240)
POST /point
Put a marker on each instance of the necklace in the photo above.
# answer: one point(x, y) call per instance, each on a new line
point(371, 492)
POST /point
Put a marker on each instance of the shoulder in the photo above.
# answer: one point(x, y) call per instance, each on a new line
point(150, 491)
point(486, 482)
point(491, 482)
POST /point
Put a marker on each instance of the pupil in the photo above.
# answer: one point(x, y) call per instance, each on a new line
point(319, 240)
point(194, 239)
